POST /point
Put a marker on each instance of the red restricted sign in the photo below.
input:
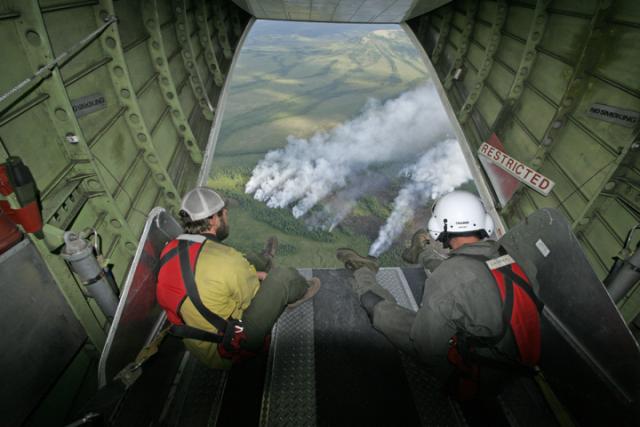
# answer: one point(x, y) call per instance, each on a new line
point(517, 169)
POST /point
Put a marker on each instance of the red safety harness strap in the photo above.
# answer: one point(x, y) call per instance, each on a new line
point(230, 332)
point(520, 313)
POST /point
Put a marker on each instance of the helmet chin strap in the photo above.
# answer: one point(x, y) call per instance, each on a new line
point(444, 236)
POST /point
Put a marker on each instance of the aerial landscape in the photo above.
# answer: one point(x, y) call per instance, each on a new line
point(320, 135)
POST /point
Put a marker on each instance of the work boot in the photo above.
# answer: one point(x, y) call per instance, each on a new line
point(270, 248)
point(312, 290)
point(419, 241)
point(353, 261)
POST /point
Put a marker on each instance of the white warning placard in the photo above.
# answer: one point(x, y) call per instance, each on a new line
point(517, 169)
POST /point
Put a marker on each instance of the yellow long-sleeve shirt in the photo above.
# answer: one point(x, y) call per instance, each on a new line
point(226, 282)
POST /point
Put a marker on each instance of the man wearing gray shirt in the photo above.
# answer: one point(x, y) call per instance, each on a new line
point(478, 321)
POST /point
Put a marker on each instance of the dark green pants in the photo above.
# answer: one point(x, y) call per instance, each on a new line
point(281, 287)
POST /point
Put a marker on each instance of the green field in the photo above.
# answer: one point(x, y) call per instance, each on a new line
point(252, 222)
point(297, 79)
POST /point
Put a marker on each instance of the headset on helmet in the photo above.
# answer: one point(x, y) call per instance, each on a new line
point(458, 213)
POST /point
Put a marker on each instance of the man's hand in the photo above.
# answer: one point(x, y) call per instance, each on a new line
point(261, 275)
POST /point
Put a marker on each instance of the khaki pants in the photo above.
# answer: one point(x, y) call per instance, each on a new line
point(281, 287)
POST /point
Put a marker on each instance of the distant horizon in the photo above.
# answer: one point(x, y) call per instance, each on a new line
point(273, 27)
point(300, 79)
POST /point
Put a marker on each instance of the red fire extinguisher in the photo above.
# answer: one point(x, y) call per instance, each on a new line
point(9, 233)
point(16, 178)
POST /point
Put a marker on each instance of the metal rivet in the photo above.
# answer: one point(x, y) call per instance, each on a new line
point(164, 81)
point(115, 223)
point(110, 42)
point(547, 140)
point(134, 118)
point(33, 37)
point(609, 185)
point(151, 158)
point(118, 71)
point(170, 95)
point(61, 114)
point(142, 137)
point(183, 128)
point(557, 124)
point(125, 93)
point(130, 246)
point(150, 22)
point(155, 45)
point(170, 195)
point(159, 61)
point(160, 177)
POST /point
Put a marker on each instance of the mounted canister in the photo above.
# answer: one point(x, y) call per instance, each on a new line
point(79, 253)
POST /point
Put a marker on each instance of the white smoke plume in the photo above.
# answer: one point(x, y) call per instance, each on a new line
point(440, 170)
point(339, 205)
point(306, 171)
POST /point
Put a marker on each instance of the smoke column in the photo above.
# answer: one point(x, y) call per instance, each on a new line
point(440, 170)
point(339, 205)
point(306, 171)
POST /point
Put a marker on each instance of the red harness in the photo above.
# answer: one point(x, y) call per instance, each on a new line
point(171, 291)
point(176, 282)
point(520, 313)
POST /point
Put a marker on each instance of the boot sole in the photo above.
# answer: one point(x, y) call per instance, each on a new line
point(314, 287)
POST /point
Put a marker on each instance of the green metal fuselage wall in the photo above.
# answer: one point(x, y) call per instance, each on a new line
point(530, 71)
point(157, 74)
point(526, 70)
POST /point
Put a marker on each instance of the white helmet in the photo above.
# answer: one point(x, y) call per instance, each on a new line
point(201, 202)
point(458, 212)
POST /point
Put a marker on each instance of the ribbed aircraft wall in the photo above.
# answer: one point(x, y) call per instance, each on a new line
point(118, 126)
point(531, 71)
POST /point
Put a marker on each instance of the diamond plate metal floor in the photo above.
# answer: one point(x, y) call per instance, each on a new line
point(328, 366)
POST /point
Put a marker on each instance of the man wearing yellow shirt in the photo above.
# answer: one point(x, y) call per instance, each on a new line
point(221, 302)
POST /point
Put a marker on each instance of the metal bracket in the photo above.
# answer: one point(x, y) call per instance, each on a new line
point(119, 73)
point(487, 63)
point(168, 89)
point(472, 8)
point(183, 32)
point(445, 28)
point(206, 40)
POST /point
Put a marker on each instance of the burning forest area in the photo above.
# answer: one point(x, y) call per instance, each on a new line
point(367, 183)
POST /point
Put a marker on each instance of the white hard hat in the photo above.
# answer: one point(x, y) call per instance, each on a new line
point(458, 212)
point(201, 203)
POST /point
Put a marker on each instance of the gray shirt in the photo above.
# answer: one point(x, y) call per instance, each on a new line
point(459, 292)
